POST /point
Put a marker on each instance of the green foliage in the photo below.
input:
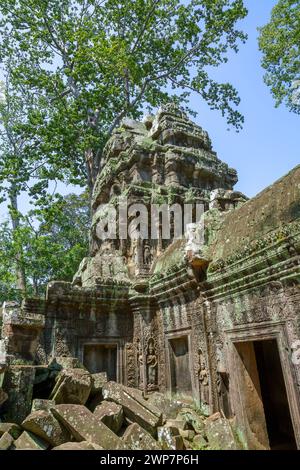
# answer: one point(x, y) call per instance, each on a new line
point(52, 243)
point(89, 63)
point(279, 42)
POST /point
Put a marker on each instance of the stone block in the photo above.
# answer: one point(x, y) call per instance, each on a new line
point(136, 409)
point(44, 425)
point(111, 414)
point(187, 434)
point(13, 429)
point(168, 440)
point(40, 404)
point(84, 426)
point(167, 404)
point(28, 441)
point(98, 381)
point(84, 445)
point(219, 433)
point(136, 438)
point(18, 384)
point(177, 423)
point(72, 386)
point(6, 441)
point(192, 419)
point(199, 442)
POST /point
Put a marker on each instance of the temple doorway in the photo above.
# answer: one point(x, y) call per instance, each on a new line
point(101, 358)
point(264, 394)
point(180, 365)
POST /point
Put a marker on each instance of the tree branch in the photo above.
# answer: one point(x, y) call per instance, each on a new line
point(142, 31)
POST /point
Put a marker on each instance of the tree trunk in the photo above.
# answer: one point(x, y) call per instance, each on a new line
point(92, 169)
point(15, 221)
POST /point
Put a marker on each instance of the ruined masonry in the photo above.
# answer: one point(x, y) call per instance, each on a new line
point(220, 324)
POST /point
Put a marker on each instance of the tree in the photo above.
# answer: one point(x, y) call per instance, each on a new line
point(279, 42)
point(14, 170)
point(20, 170)
point(89, 63)
point(52, 242)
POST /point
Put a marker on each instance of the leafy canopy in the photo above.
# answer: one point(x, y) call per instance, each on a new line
point(52, 243)
point(89, 63)
point(279, 42)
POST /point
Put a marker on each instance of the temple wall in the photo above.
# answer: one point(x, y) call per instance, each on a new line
point(270, 312)
point(86, 326)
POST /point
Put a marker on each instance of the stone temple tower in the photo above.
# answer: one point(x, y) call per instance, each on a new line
point(166, 159)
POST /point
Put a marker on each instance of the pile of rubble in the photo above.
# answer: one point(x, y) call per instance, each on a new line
point(86, 412)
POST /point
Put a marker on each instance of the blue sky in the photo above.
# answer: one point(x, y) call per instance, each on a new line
point(268, 146)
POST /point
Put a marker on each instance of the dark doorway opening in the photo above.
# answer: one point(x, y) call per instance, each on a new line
point(101, 358)
point(180, 365)
point(273, 390)
point(264, 394)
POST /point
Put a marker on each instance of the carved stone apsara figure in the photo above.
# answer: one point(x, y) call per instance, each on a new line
point(140, 365)
point(203, 380)
point(151, 363)
point(147, 255)
point(135, 252)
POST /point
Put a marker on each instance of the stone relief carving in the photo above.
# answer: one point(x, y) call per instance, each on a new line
point(140, 365)
point(130, 364)
point(62, 342)
point(203, 379)
point(151, 365)
point(148, 257)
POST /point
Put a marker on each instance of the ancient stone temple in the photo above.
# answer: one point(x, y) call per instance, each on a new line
point(219, 322)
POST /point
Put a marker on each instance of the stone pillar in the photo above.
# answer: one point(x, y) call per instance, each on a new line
point(20, 337)
point(18, 384)
point(20, 333)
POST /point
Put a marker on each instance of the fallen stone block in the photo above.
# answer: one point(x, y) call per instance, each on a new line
point(111, 414)
point(199, 442)
point(28, 441)
point(139, 397)
point(187, 434)
point(136, 438)
point(96, 398)
point(169, 405)
point(177, 423)
point(84, 426)
point(6, 441)
point(192, 419)
point(39, 404)
point(136, 409)
point(72, 386)
point(219, 433)
point(187, 444)
point(98, 381)
point(44, 425)
point(168, 440)
point(174, 430)
point(178, 443)
point(13, 429)
point(84, 445)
